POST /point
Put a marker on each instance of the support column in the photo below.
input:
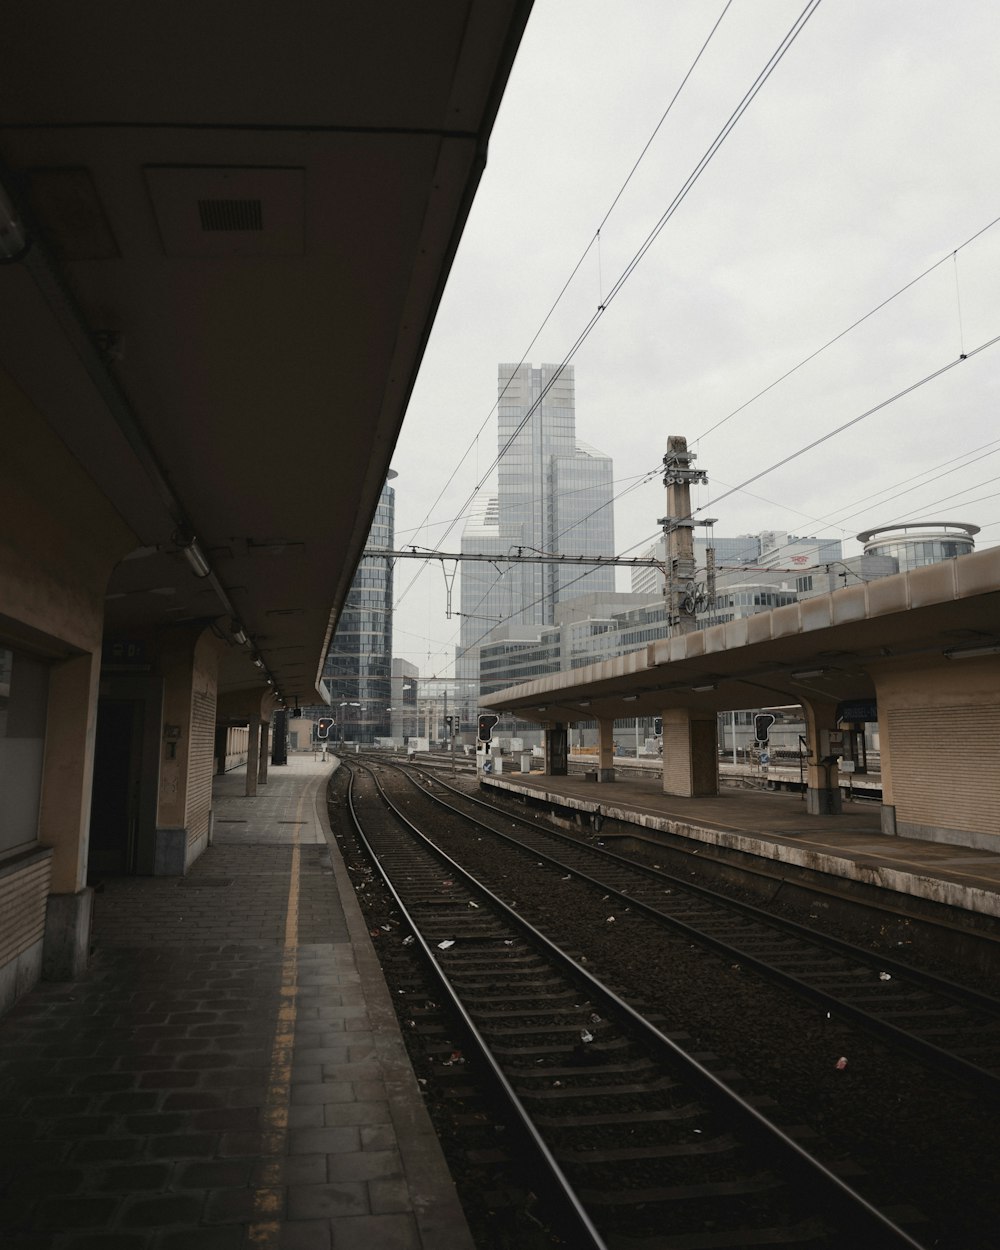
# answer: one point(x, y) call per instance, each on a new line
point(221, 743)
point(690, 752)
point(253, 759)
point(823, 741)
point(605, 750)
point(556, 751)
point(64, 813)
point(265, 733)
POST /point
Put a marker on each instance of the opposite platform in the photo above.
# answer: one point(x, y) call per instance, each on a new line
point(230, 1073)
point(774, 825)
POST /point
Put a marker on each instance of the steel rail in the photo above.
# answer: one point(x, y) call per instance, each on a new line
point(582, 1226)
point(928, 1052)
point(845, 1206)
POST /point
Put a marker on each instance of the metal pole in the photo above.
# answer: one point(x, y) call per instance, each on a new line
point(733, 715)
point(637, 737)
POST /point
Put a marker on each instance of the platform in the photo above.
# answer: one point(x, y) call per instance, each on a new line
point(775, 826)
point(230, 1073)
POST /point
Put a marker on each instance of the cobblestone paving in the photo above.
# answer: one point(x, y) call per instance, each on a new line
point(133, 1103)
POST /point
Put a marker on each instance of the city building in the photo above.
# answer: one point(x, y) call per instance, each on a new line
point(403, 721)
point(767, 549)
point(920, 542)
point(358, 667)
point(554, 494)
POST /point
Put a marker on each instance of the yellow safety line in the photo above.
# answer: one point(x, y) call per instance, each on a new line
point(269, 1193)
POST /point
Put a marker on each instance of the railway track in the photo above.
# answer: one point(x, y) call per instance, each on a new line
point(948, 1026)
point(643, 1143)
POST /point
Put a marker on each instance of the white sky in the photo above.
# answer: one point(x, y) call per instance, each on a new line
point(870, 154)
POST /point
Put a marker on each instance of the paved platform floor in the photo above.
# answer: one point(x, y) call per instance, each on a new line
point(774, 825)
point(230, 1073)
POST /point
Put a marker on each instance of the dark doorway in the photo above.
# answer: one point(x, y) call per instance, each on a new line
point(114, 811)
point(126, 773)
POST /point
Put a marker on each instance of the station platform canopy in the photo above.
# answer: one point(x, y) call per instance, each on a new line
point(832, 649)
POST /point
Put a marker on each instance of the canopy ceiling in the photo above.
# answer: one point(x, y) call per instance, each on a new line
point(241, 222)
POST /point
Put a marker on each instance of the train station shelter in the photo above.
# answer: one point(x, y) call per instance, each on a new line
point(224, 236)
point(919, 652)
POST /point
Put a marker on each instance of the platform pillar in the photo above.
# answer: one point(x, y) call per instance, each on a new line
point(605, 750)
point(690, 752)
point(556, 750)
point(265, 736)
point(823, 796)
point(253, 759)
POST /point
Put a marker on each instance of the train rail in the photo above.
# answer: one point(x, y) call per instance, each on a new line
point(945, 1024)
point(645, 1144)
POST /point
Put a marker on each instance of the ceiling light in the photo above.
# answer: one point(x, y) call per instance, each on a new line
point(970, 653)
point(195, 557)
point(702, 689)
point(629, 698)
point(258, 661)
point(239, 634)
point(14, 241)
point(584, 703)
point(803, 673)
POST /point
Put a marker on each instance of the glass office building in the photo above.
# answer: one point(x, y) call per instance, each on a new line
point(554, 494)
point(358, 668)
point(920, 543)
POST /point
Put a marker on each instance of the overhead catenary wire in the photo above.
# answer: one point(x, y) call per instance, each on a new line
point(762, 77)
point(870, 502)
point(848, 329)
point(595, 239)
point(908, 390)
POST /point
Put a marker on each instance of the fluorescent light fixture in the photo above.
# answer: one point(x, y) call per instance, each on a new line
point(970, 653)
point(702, 689)
point(584, 703)
point(803, 673)
point(14, 241)
point(629, 698)
point(239, 633)
point(543, 707)
point(195, 557)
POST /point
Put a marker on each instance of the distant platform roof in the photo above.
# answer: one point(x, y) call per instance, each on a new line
point(829, 649)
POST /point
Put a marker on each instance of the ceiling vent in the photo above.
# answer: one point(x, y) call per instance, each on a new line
point(237, 211)
point(231, 214)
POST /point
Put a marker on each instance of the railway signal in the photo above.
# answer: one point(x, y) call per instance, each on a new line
point(762, 722)
point(486, 723)
point(323, 726)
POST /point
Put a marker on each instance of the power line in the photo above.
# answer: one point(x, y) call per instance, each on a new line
point(848, 424)
point(771, 65)
point(854, 325)
point(565, 287)
point(748, 98)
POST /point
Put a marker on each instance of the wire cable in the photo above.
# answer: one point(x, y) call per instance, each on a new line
point(908, 390)
point(853, 326)
point(748, 98)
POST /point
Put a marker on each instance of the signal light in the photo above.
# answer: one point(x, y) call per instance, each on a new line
point(486, 723)
point(323, 726)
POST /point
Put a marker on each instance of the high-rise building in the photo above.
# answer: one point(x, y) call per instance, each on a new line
point(358, 668)
point(769, 549)
point(554, 494)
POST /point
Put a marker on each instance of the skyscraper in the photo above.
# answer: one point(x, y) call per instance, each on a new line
point(358, 666)
point(554, 495)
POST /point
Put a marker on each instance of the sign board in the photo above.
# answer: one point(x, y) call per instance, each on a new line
point(858, 710)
